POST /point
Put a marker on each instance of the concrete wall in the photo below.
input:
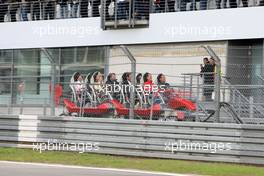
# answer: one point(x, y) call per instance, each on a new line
point(170, 59)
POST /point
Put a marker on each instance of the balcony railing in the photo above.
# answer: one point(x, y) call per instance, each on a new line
point(60, 9)
point(125, 14)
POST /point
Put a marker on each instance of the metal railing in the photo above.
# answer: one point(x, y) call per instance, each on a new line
point(191, 90)
point(117, 14)
point(234, 104)
point(243, 106)
point(48, 10)
point(234, 143)
point(261, 79)
point(59, 9)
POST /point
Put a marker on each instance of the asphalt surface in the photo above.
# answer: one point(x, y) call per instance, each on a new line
point(35, 169)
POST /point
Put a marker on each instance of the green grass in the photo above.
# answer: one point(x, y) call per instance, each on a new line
point(148, 164)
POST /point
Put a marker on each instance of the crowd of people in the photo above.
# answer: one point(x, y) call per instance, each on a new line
point(19, 10)
point(181, 5)
point(25, 10)
point(96, 83)
point(97, 80)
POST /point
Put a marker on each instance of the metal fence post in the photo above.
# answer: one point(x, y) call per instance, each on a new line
point(193, 5)
point(12, 80)
point(166, 6)
point(129, 13)
point(9, 107)
point(197, 99)
point(251, 109)
point(217, 90)
point(116, 9)
point(52, 90)
point(224, 94)
point(103, 12)
point(133, 13)
point(133, 82)
point(190, 88)
point(45, 107)
point(53, 82)
point(21, 106)
point(239, 106)
point(106, 61)
point(184, 86)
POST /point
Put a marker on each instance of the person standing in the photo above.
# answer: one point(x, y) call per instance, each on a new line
point(207, 72)
point(49, 10)
point(245, 3)
point(25, 9)
point(95, 8)
point(203, 4)
point(63, 8)
point(162, 5)
point(14, 6)
point(171, 5)
point(74, 8)
point(232, 3)
point(3, 10)
point(183, 5)
point(106, 9)
point(84, 8)
point(37, 6)
point(218, 4)
point(122, 9)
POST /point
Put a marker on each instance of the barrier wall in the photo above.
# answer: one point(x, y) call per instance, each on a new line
point(234, 143)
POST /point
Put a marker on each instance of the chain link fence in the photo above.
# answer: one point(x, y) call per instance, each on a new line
point(183, 83)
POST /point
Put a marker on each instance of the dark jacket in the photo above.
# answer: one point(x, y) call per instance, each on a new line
point(207, 71)
point(164, 85)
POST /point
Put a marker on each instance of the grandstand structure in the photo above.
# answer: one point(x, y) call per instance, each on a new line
point(144, 78)
point(44, 43)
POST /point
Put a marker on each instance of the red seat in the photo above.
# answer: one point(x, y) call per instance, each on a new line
point(71, 107)
point(99, 110)
point(142, 112)
point(177, 103)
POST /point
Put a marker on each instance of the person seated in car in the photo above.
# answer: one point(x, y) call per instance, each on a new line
point(111, 79)
point(150, 89)
point(126, 85)
point(111, 84)
point(139, 78)
point(148, 83)
point(79, 85)
point(161, 81)
point(98, 82)
point(163, 87)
